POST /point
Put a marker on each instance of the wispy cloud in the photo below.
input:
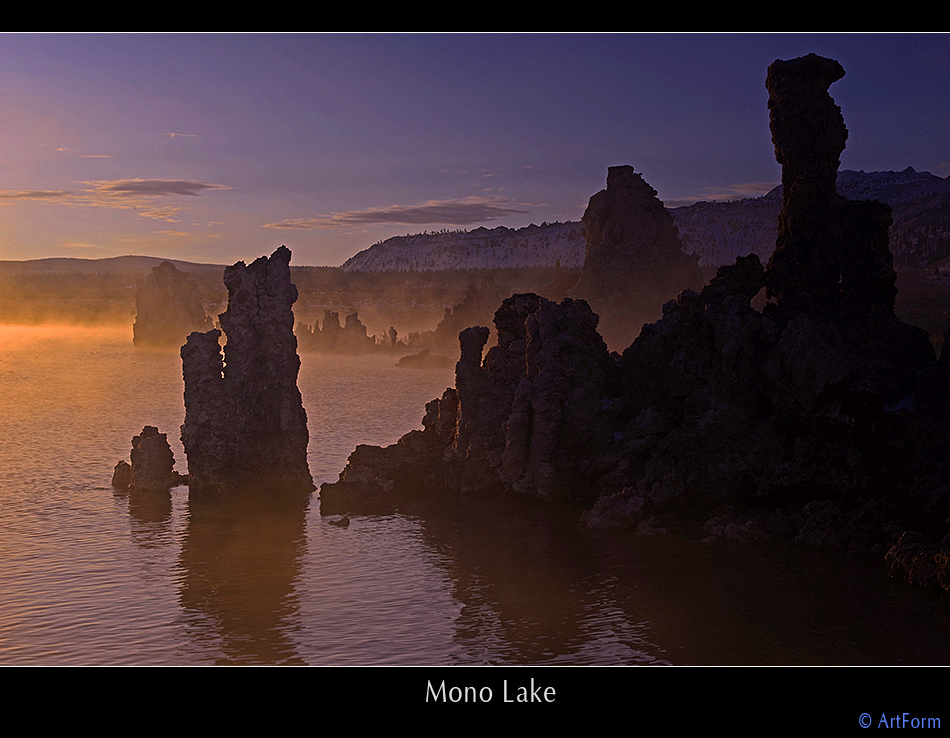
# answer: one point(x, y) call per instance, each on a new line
point(147, 197)
point(64, 150)
point(726, 193)
point(42, 195)
point(167, 213)
point(151, 187)
point(466, 211)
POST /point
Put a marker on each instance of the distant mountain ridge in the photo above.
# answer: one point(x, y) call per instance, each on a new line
point(717, 232)
point(109, 265)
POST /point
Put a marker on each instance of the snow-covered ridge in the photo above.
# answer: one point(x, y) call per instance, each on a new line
point(717, 232)
point(531, 246)
point(920, 234)
point(894, 188)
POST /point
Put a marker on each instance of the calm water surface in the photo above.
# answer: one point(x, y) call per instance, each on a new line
point(91, 576)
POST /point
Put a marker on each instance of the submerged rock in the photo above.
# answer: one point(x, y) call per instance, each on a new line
point(122, 475)
point(168, 308)
point(424, 359)
point(245, 426)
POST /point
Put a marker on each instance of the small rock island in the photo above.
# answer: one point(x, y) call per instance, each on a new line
point(151, 466)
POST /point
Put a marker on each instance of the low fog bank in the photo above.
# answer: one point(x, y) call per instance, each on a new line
point(411, 302)
point(87, 299)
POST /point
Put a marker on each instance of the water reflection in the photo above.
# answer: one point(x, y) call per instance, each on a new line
point(149, 507)
point(532, 587)
point(536, 589)
point(239, 564)
point(92, 576)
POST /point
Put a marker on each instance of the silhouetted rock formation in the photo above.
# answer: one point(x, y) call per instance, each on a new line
point(476, 308)
point(245, 426)
point(787, 406)
point(424, 359)
point(822, 418)
point(168, 308)
point(331, 337)
point(634, 261)
point(525, 420)
point(832, 260)
point(153, 464)
point(831, 253)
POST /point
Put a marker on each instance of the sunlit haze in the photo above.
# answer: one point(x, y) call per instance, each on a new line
point(401, 435)
point(214, 148)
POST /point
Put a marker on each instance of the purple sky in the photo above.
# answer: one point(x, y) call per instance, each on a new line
point(216, 148)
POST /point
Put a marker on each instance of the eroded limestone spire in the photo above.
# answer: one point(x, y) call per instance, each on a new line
point(245, 426)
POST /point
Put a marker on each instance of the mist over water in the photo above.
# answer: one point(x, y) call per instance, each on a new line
point(89, 575)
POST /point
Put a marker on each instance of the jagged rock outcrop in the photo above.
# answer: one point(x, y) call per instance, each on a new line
point(831, 253)
point(245, 426)
point(832, 259)
point(634, 261)
point(526, 419)
point(168, 308)
point(331, 337)
point(476, 308)
point(152, 467)
point(788, 405)
point(821, 418)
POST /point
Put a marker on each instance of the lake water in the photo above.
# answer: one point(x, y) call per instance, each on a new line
point(92, 576)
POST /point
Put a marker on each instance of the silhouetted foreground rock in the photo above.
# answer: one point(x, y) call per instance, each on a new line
point(245, 426)
point(527, 419)
point(821, 419)
point(917, 560)
point(168, 308)
point(152, 465)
